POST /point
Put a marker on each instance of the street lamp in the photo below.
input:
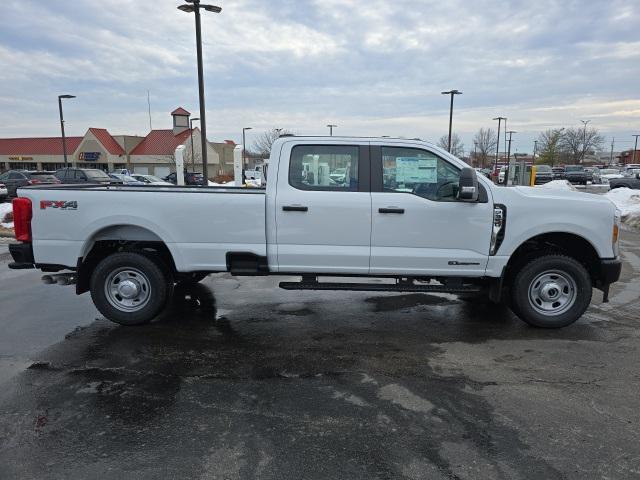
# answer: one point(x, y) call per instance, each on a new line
point(244, 148)
point(452, 93)
point(498, 140)
point(193, 156)
point(331, 127)
point(535, 150)
point(64, 139)
point(194, 6)
point(584, 139)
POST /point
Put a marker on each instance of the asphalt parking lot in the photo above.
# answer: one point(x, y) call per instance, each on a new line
point(241, 380)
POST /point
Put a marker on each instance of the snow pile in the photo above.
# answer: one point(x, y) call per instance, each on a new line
point(628, 202)
point(5, 210)
point(558, 185)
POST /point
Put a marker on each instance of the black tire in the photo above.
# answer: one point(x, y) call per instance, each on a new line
point(551, 291)
point(153, 281)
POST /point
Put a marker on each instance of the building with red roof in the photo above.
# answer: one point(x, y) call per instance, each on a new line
point(98, 148)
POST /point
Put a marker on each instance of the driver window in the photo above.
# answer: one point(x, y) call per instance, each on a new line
point(422, 173)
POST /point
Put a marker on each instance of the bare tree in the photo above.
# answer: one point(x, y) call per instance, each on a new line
point(550, 146)
point(485, 141)
point(579, 141)
point(457, 147)
point(262, 145)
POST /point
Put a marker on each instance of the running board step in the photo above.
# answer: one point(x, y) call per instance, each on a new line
point(380, 287)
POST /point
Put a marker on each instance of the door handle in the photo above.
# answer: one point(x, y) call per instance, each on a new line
point(391, 210)
point(295, 208)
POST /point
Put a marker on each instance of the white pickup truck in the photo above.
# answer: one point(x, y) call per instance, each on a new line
point(404, 211)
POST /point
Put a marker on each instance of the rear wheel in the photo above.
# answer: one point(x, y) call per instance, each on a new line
point(130, 288)
point(551, 291)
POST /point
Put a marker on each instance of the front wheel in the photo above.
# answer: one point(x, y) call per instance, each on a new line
point(130, 288)
point(552, 291)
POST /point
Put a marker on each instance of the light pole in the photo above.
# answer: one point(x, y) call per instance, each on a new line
point(635, 148)
point(452, 93)
point(584, 139)
point(498, 140)
point(64, 139)
point(535, 150)
point(244, 148)
point(194, 6)
point(331, 127)
point(475, 153)
point(193, 155)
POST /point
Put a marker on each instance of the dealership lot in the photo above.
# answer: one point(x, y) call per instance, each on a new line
point(241, 380)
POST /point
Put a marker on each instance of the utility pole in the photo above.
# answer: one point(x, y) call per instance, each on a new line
point(635, 148)
point(584, 139)
point(498, 140)
point(475, 153)
point(331, 127)
point(613, 140)
point(452, 93)
point(510, 132)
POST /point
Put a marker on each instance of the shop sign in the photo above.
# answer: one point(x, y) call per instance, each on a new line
point(89, 156)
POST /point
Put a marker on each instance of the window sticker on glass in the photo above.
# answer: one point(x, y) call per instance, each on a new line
point(416, 170)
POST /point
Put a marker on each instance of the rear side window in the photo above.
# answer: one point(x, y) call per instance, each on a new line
point(16, 176)
point(324, 167)
point(94, 174)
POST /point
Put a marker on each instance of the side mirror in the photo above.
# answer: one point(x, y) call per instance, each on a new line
point(468, 185)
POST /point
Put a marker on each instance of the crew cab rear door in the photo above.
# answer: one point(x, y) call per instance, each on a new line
point(418, 225)
point(323, 207)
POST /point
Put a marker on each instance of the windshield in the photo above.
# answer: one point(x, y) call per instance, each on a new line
point(609, 171)
point(574, 169)
point(544, 168)
point(96, 174)
point(153, 178)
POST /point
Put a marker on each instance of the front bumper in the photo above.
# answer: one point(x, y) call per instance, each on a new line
point(610, 271)
point(22, 254)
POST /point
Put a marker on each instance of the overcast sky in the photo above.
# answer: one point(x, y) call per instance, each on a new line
point(373, 67)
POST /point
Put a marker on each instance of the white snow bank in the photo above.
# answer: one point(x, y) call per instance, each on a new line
point(558, 185)
point(5, 208)
point(628, 202)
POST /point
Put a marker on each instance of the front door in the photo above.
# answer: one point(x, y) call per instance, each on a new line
point(323, 208)
point(418, 225)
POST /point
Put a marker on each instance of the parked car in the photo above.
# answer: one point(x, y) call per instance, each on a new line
point(126, 179)
point(608, 174)
point(4, 193)
point(13, 179)
point(628, 182)
point(544, 174)
point(577, 174)
point(502, 174)
point(150, 179)
point(595, 174)
point(85, 175)
point(437, 228)
point(558, 173)
point(190, 178)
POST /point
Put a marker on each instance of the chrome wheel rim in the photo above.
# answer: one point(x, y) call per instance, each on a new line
point(552, 292)
point(127, 289)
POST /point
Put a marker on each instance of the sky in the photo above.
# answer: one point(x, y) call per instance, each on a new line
point(372, 67)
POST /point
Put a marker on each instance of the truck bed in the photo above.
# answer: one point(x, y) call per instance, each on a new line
point(199, 225)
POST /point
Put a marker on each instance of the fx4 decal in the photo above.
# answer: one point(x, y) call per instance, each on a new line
point(60, 204)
